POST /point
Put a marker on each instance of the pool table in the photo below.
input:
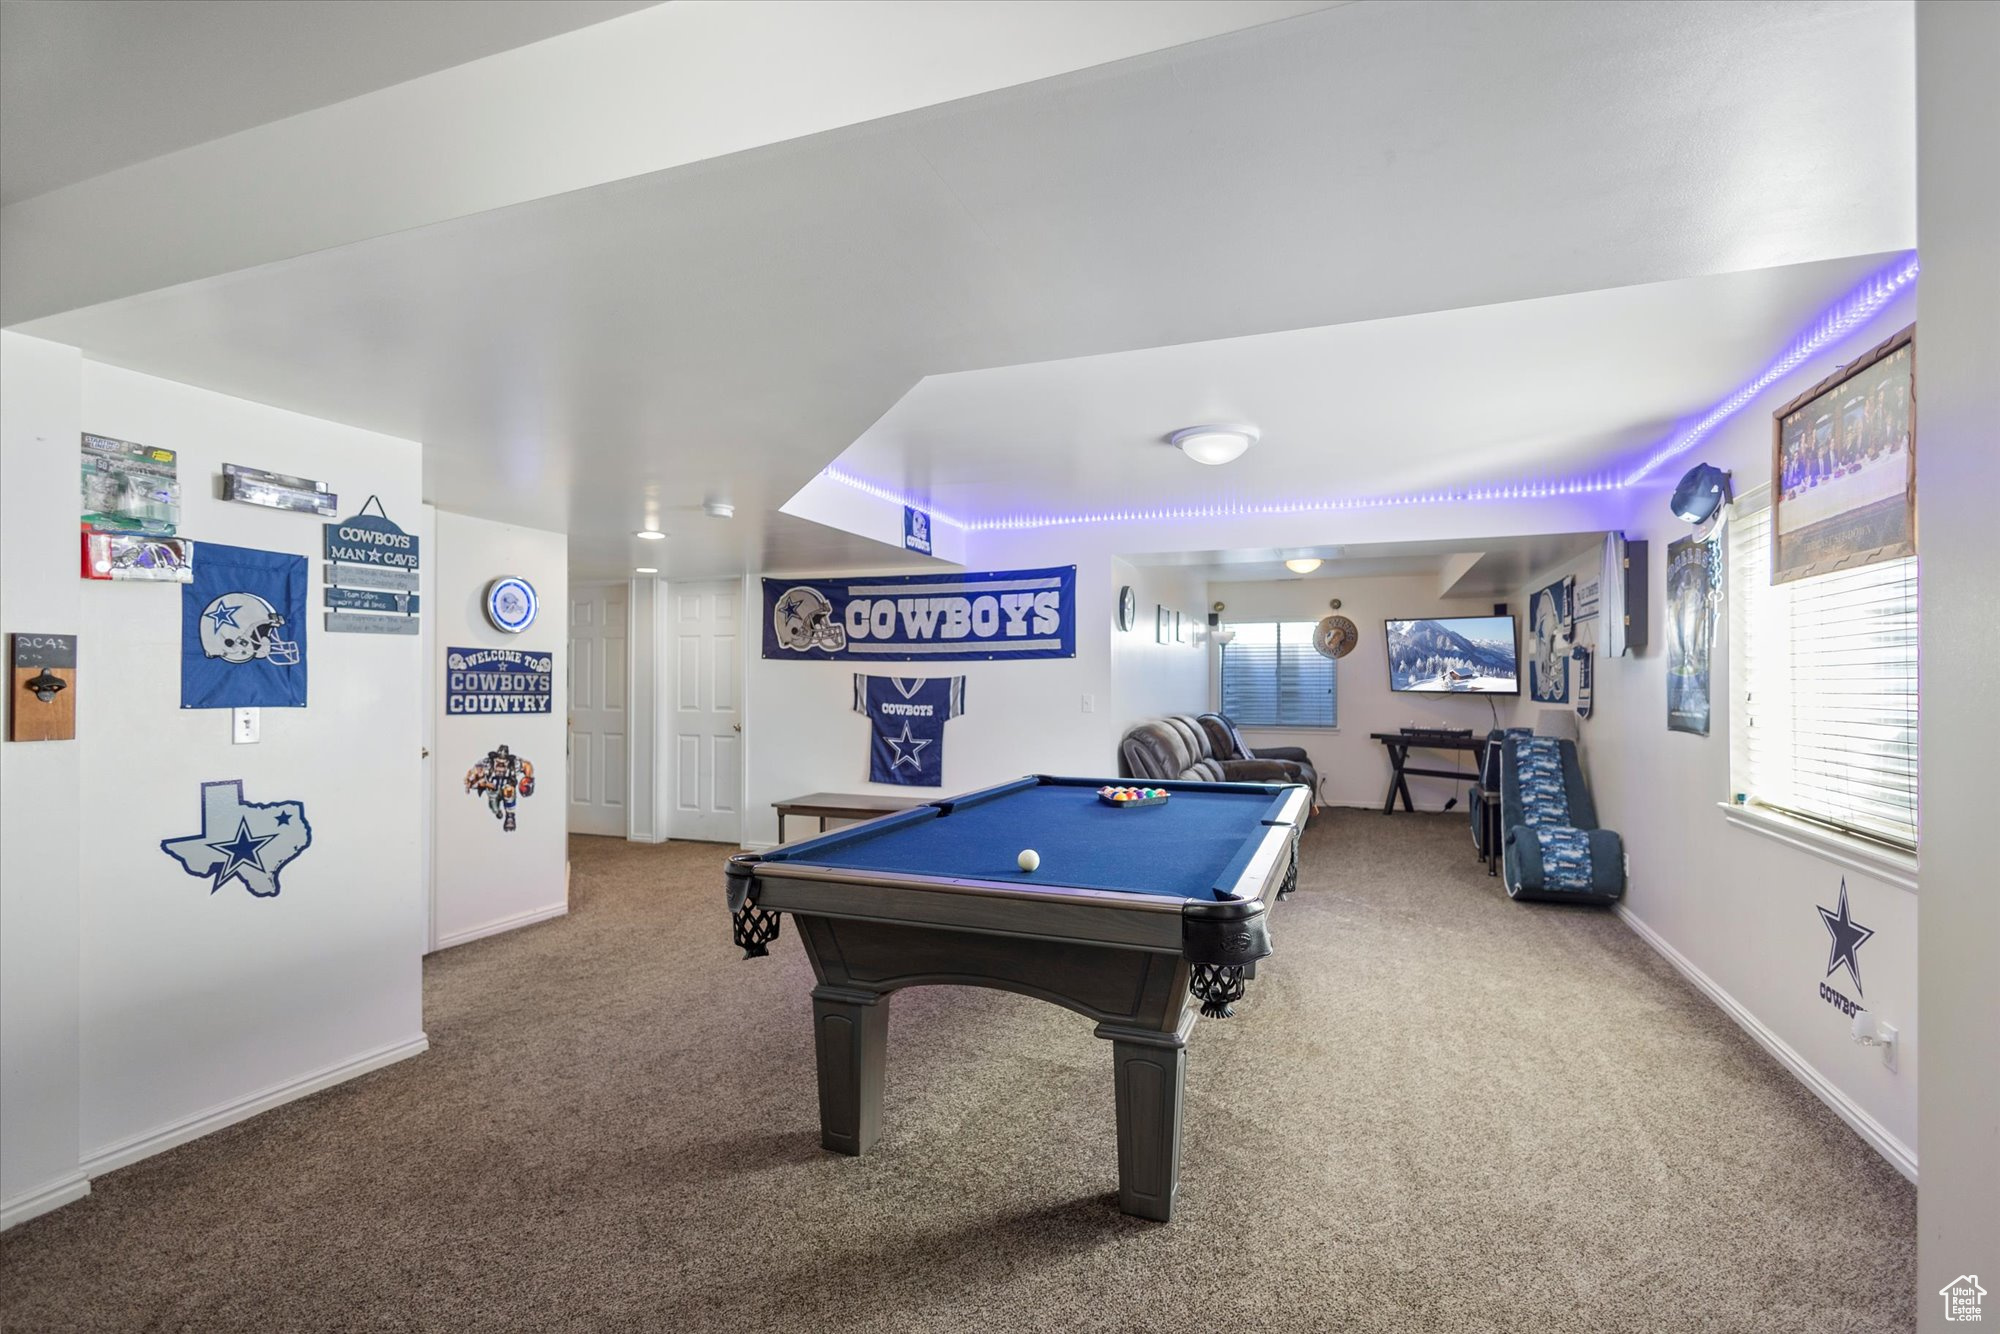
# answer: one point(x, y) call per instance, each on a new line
point(1133, 917)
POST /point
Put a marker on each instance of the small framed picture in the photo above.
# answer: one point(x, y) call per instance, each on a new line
point(1844, 467)
point(1180, 628)
point(1163, 628)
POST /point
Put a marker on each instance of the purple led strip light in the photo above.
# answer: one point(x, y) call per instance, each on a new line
point(1848, 314)
point(1852, 311)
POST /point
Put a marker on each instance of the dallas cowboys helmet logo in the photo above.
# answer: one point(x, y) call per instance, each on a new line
point(242, 627)
point(803, 621)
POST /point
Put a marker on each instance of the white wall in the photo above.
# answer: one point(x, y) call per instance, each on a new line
point(1958, 460)
point(1734, 905)
point(40, 1089)
point(488, 879)
point(1354, 769)
point(198, 1007)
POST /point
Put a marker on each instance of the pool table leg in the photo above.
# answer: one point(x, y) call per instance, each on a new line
point(851, 1040)
point(1149, 1070)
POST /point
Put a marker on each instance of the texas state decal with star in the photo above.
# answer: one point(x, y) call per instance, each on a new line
point(249, 842)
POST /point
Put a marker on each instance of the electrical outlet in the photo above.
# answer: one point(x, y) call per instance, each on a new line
point(1090, 704)
point(1887, 1034)
point(249, 725)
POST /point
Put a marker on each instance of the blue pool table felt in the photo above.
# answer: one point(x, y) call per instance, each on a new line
point(1180, 849)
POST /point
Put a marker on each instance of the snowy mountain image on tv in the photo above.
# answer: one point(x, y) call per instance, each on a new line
point(1460, 655)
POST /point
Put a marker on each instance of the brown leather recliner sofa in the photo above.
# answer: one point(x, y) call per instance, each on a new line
point(1226, 743)
point(1180, 747)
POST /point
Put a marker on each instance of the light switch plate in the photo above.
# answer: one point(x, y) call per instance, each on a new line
point(249, 725)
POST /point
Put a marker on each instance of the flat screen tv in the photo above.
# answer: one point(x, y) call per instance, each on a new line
point(1455, 655)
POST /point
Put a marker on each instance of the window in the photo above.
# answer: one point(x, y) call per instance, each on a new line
point(1823, 684)
point(1273, 677)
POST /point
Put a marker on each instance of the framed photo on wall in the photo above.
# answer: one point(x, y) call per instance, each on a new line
point(1163, 626)
point(1844, 467)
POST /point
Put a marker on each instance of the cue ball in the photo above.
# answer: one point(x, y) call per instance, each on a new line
point(1029, 859)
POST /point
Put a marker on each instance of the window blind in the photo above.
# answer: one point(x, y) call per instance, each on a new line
point(1823, 687)
point(1273, 677)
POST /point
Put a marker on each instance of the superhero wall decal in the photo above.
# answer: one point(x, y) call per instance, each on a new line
point(503, 778)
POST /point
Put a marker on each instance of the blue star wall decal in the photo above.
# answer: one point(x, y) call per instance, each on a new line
point(1848, 936)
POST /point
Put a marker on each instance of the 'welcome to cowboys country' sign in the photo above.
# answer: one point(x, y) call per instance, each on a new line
point(498, 680)
point(983, 617)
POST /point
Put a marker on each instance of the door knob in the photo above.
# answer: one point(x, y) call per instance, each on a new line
point(736, 727)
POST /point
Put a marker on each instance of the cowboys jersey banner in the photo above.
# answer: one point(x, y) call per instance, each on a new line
point(906, 718)
point(986, 617)
point(243, 630)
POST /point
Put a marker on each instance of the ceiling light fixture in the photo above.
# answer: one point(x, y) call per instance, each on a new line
point(718, 509)
point(650, 535)
point(645, 569)
point(1304, 564)
point(1214, 444)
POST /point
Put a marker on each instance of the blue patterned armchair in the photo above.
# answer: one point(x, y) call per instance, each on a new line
point(1551, 846)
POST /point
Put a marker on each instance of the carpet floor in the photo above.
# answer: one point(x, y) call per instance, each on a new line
point(1436, 1110)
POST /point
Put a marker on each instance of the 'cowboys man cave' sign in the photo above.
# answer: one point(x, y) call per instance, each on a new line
point(987, 617)
point(371, 575)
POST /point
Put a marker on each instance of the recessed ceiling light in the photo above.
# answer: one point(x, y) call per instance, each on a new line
point(1304, 564)
point(645, 569)
point(1214, 444)
point(650, 535)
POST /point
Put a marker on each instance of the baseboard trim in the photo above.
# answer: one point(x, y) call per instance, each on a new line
point(514, 923)
point(1898, 1154)
point(125, 1152)
point(34, 1203)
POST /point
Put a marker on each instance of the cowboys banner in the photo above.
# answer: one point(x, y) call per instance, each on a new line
point(243, 630)
point(987, 617)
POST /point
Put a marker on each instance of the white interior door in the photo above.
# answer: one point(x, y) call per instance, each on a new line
point(705, 726)
point(597, 709)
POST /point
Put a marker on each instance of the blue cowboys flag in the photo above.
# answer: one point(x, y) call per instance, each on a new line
point(243, 630)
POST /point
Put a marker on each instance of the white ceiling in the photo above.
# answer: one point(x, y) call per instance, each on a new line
point(1496, 568)
point(593, 361)
point(86, 88)
point(1547, 388)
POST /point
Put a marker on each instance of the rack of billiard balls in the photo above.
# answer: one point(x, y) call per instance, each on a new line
point(1132, 796)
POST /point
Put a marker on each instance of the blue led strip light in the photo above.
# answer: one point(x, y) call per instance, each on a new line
point(1852, 311)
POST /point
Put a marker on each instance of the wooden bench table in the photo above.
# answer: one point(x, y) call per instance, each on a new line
point(842, 806)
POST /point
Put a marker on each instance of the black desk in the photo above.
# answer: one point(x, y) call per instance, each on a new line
point(1400, 744)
